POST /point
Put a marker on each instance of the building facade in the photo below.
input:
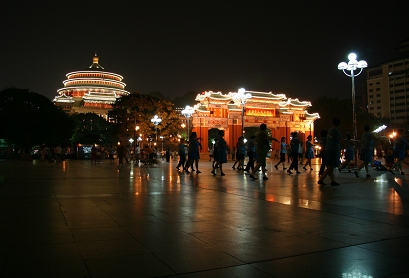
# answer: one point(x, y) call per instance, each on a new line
point(282, 115)
point(92, 90)
point(388, 88)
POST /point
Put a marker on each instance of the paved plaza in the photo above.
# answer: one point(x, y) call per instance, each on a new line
point(74, 219)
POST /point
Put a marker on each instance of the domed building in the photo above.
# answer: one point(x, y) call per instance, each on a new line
point(91, 90)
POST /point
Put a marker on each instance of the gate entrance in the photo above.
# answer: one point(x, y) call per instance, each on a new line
point(282, 116)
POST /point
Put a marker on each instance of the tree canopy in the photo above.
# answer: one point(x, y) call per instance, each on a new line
point(28, 117)
point(138, 110)
point(330, 107)
point(92, 129)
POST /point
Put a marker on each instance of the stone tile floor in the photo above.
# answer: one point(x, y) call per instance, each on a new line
point(74, 219)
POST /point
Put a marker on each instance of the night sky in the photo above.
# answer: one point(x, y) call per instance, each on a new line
point(174, 47)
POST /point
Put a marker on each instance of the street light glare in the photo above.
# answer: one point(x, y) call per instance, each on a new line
point(342, 66)
point(362, 64)
point(353, 65)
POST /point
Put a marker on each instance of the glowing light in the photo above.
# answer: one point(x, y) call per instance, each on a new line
point(352, 56)
point(379, 129)
point(91, 73)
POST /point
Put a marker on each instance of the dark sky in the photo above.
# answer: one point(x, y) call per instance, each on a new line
point(179, 46)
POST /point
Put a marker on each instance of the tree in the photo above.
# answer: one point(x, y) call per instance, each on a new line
point(31, 118)
point(330, 107)
point(187, 99)
point(138, 110)
point(92, 129)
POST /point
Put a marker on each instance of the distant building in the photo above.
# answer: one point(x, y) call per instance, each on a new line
point(91, 90)
point(388, 87)
point(282, 116)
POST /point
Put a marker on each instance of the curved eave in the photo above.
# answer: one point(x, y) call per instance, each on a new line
point(294, 102)
point(235, 109)
point(93, 88)
point(56, 100)
point(215, 99)
point(119, 83)
point(111, 100)
point(212, 95)
point(287, 112)
point(311, 116)
point(233, 106)
point(264, 95)
point(93, 71)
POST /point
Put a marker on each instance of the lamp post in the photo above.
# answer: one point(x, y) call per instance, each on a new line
point(243, 98)
point(187, 112)
point(183, 126)
point(131, 140)
point(156, 120)
point(349, 69)
point(139, 139)
point(134, 138)
point(161, 138)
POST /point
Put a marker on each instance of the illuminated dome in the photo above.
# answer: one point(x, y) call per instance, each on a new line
point(90, 90)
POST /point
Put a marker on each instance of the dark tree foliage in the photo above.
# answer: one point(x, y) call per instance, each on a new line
point(28, 117)
point(138, 110)
point(330, 107)
point(187, 99)
point(92, 129)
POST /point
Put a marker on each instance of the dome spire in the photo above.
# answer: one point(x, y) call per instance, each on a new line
point(95, 64)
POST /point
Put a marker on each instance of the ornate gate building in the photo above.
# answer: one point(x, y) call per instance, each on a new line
point(282, 115)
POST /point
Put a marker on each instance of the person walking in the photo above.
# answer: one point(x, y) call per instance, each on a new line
point(399, 151)
point(193, 153)
point(250, 153)
point(332, 152)
point(289, 152)
point(58, 153)
point(349, 152)
point(111, 152)
point(323, 144)
point(295, 142)
point(221, 153)
point(93, 154)
point(283, 152)
point(263, 146)
point(120, 151)
point(128, 154)
point(211, 153)
point(241, 153)
point(233, 153)
point(301, 152)
point(366, 151)
point(182, 154)
point(309, 152)
point(216, 143)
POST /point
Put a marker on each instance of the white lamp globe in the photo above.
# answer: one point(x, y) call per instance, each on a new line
point(352, 56)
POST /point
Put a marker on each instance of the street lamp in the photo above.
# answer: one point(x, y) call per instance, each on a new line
point(131, 140)
point(139, 139)
point(243, 98)
point(353, 65)
point(161, 138)
point(134, 138)
point(187, 112)
point(156, 120)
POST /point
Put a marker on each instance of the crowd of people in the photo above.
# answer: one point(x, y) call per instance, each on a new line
point(257, 149)
point(297, 153)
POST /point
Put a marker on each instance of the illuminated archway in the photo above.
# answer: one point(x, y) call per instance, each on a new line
point(282, 115)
